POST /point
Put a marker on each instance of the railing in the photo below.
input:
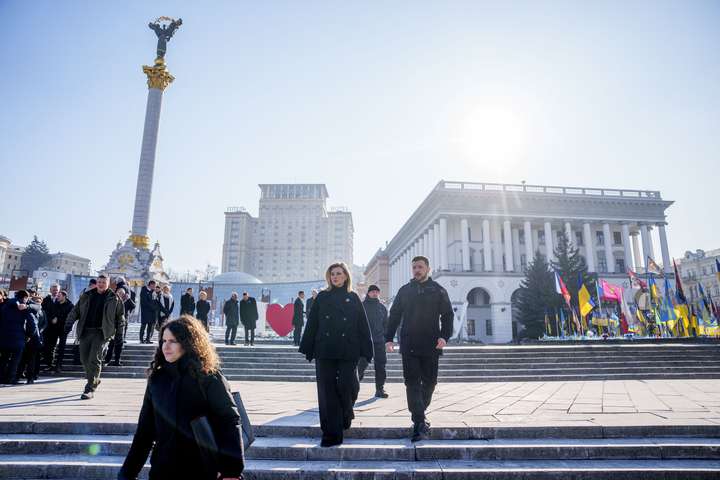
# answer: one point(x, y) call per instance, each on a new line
point(547, 189)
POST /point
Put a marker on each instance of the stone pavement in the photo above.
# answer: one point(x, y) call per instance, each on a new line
point(610, 403)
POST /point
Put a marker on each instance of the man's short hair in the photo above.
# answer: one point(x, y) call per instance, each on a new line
point(20, 294)
point(421, 258)
point(151, 282)
point(188, 289)
point(92, 282)
point(102, 275)
point(244, 293)
point(301, 292)
point(63, 293)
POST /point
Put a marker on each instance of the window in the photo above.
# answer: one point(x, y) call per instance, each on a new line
point(470, 327)
point(488, 327)
point(599, 238)
point(521, 237)
point(617, 238)
point(602, 264)
point(523, 261)
point(620, 265)
point(541, 238)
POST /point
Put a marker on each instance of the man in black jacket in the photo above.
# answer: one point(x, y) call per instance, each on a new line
point(53, 330)
point(377, 318)
point(149, 310)
point(248, 317)
point(63, 308)
point(424, 308)
point(231, 311)
point(297, 321)
point(187, 303)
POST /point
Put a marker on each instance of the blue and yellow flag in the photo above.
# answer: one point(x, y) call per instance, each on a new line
point(585, 302)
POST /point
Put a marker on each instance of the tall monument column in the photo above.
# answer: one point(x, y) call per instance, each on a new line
point(158, 78)
point(134, 259)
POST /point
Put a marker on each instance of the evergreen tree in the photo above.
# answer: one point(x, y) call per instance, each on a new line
point(35, 256)
point(536, 298)
point(571, 266)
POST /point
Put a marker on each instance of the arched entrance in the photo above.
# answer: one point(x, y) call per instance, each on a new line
point(479, 315)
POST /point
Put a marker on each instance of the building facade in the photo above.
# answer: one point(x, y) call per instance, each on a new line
point(69, 263)
point(5, 244)
point(699, 268)
point(13, 256)
point(479, 238)
point(377, 272)
point(294, 237)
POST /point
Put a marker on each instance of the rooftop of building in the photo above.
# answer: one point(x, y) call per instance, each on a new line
point(236, 278)
point(523, 188)
point(293, 191)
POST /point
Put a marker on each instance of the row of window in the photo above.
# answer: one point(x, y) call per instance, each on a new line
point(579, 237)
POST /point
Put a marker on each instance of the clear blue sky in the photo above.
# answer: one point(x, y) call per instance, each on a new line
point(379, 100)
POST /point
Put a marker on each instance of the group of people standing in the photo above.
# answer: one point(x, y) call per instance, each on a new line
point(344, 334)
point(243, 311)
point(156, 306)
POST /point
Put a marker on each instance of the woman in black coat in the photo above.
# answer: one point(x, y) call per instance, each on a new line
point(185, 383)
point(336, 336)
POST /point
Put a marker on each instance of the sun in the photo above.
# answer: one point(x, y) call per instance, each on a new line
point(493, 136)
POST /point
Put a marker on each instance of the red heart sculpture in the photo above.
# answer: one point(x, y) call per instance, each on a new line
point(280, 318)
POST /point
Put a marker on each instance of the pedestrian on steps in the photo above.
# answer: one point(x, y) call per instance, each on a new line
point(377, 316)
point(336, 336)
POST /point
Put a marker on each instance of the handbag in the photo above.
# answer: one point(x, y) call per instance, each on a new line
point(248, 436)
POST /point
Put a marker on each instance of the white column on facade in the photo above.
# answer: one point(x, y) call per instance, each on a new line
point(636, 251)
point(426, 244)
point(667, 267)
point(645, 238)
point(607, 241)
point(465, 239)
point(431, 246)
point(436, 246)
point(487, 253)
point(529, 252)
point(507, 234)
point(651, 247)
point(589, 248)
point(569, 233)
point(443, 244)
point(497, 250)
point(626, 245)
point(549, 242)
point(516, 248)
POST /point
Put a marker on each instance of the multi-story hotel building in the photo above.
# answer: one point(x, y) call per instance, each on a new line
point(480, 236)
point(293, 238)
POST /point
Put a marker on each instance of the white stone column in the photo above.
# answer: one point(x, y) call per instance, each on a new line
point(626, 245)
point(516, 248)
point(589, 248)
point(436, 246)
point(607, 241)
point(529, 252)
point(549, 253)
point(507, 234)
point(645, 238)
point(443, 244)
point(569, 233)
point(431, 246)
point(487, 252)
point(465, 238)
point(636, 252)
point(426, 245)
point(497, 252)
point(667, 267)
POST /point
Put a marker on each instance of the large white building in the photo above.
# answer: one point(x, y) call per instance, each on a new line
point(480, 236)
point(699, 268)
point(294, 237)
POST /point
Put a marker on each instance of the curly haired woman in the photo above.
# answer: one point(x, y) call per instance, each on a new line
point(184, 383)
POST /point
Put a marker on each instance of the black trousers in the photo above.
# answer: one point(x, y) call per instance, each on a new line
point(420, 373)
point(230, 333)
point(205, 324)
point(51, 335)
point(297, 334)
point(249, 333)
point(9, 363)
point(60, 356)
point(338, 388)
point(30, 361)
point(379, 363)
point(146, 336)
point(115, 347)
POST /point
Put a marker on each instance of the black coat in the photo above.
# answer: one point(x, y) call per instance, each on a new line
point(377, 316)
point(337, 328)
point(249, 313)
point(203, 309)
point(173, 397)
point(231, 309)
point(62, 310)
point(298, 310)
point(426, 315)
point(49, 306)
point(149, 308)
point(14, 324)
point(187, 304)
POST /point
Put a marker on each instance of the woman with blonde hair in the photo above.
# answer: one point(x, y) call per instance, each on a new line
point(336, 336)
point(184, 384)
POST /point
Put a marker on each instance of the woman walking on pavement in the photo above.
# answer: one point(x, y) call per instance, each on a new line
point(184, 384)
point(336, 336)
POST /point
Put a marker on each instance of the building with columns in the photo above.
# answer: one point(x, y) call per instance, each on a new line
point(479, 238)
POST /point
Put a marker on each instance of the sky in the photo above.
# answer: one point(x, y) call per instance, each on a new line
point(378, 100)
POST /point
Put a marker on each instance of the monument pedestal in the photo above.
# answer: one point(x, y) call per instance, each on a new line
point(137, 264)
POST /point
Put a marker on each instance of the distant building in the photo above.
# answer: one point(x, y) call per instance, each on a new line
point(294, 237)
point(5, 244)
point(68, 263)
point(377, 273)
point(697, 268)
point(13, 256)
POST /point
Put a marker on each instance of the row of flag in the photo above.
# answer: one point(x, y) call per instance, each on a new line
point(668, 313)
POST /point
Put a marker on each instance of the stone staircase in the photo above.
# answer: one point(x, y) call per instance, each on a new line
point(279, 362)
point(62, 451)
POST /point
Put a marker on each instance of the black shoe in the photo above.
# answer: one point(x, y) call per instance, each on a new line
point(347, 423)
point(116, 363)
point(87, 396)
point(58, 370)
point(381, 393)
point(30, 381)
point(330, 442)
point(421, 431)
